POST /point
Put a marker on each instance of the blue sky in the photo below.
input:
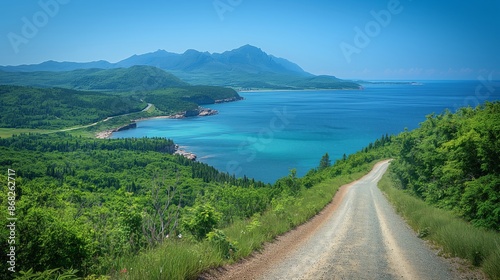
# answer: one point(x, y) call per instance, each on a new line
point(412, 39)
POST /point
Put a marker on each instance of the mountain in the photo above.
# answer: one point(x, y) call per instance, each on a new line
point(119, 79)
point(245, 67)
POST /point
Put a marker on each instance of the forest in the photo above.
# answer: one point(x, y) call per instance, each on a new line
point(452, 161)
point(56, 108)
point(86, 201)
point(135, 78)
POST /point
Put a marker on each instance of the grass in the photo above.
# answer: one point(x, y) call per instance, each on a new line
point(187, 259)
point(174, 259)
point(8, 132)
point(455, 236)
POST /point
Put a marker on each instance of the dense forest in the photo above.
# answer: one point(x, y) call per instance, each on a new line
point(84, 202)
point(453, 161)
point(173, 100)
point(58, 108)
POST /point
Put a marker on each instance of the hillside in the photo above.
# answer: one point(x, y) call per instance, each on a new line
point(453, 161)
point(85, 202)
point(136, 78)
point(57, 108)
point(245, 67)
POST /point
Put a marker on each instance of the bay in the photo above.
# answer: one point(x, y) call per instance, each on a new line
point(271, 132)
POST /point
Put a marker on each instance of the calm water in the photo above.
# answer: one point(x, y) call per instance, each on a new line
point(269, 133)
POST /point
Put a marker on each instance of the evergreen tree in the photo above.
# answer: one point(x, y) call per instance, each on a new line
point(324, 162)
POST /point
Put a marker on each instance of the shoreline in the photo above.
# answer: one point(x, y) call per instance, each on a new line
point(199, 112)
point(106, 134)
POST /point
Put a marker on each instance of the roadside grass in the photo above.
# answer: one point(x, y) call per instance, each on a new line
point(187, 259)
point(174, 259)
point(455, 236)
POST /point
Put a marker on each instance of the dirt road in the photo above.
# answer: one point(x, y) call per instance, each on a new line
point(358, 236)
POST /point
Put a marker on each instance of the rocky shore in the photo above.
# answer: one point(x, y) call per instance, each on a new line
point(188, 155)
point(107, 133)
point(231, 99)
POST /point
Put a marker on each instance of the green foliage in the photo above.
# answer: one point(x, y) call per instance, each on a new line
point(453, 162)
point(265, 80)
point(57, 108)
point(135, 78)
point(50, 242)
point(180, 99)
point(457, 237)
point(86, 203)
point(50, 274)
point(186, 259)
point(324, 162)
point(52, 108)
point(238, 202)
point(218, 239)
point(200, 220)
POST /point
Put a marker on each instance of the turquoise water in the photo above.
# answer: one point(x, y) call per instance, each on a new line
point(269, 133)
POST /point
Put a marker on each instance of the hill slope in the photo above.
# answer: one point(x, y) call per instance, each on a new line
point(453, 161)
point(54, 108)
point(119, 79)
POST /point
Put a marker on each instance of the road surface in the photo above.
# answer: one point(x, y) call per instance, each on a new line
point(358, 236)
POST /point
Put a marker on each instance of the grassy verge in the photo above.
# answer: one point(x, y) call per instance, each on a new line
point(186, 259)
point(456, 237)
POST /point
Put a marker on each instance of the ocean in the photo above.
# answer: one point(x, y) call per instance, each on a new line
point(271, 132)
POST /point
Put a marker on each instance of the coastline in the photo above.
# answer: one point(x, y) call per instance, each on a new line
point(106, 134)
point(199, 112)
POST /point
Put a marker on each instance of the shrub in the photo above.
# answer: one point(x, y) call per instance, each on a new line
point(225, 247)
point(201, 219)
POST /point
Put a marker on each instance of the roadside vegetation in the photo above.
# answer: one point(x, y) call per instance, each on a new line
point(445, 181)
point(456, 237)
point(453, 162)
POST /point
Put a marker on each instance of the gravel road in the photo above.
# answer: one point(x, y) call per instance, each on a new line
point(358, 236)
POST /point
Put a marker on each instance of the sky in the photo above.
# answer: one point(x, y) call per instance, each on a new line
point(364, 39)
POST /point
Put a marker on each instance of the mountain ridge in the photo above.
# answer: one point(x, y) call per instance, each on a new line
point(244, 67)
point(96, 79)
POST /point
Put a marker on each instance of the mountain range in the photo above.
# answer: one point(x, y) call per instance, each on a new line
point(245, 67)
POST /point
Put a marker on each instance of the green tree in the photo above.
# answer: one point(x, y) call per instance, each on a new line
point(201, 220)
point(324, 162)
